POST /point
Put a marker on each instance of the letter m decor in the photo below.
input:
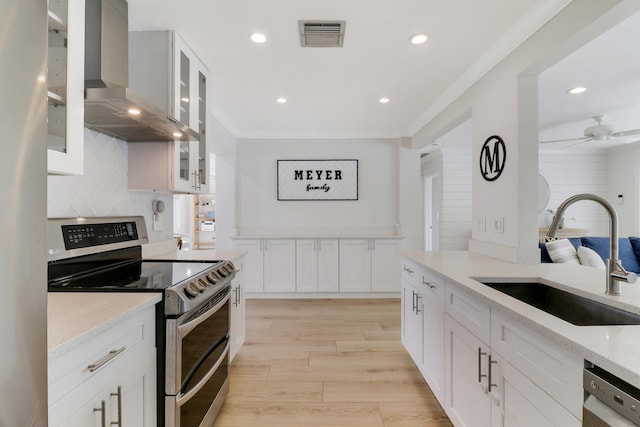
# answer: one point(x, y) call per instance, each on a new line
point(492, 158)
point(317, 179)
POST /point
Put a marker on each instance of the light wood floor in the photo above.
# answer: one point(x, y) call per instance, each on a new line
point(326, 363)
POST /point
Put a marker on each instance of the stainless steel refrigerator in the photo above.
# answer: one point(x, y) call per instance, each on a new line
point(23, 213)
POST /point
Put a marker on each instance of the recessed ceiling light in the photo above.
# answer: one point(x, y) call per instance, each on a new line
point(177, 134)
point(134, 111)
point(258, 38)
point(577, 90)
point(418, 38)
point(185, 100)
point(384, 100)
point(281, 100)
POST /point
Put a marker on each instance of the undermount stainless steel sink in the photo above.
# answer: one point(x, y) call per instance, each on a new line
point(569, 307)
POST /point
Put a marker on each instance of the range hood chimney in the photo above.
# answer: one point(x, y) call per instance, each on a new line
point(109, 102)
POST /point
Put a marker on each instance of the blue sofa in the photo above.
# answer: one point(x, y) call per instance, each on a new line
point(628, 248)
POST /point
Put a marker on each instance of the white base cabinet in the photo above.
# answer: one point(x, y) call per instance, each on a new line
point(269, 264)
point(237, 328)
point(317, 265)
point(483, 387)
point(466, 400)
point(485, 366)
point(109, 380)
point(369, 265)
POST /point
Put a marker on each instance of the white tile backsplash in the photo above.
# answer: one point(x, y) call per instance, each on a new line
point(103, 189)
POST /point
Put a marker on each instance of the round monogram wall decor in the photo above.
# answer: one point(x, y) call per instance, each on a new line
point(492, 158)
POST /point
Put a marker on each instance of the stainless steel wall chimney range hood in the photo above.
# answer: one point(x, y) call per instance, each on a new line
point(111, 107)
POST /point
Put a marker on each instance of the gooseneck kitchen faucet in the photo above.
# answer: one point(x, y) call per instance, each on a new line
point(615, 272)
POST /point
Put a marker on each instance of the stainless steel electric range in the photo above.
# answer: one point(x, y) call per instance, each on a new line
point(192, 321)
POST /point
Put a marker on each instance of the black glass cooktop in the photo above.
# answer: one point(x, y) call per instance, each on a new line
point(120, 273)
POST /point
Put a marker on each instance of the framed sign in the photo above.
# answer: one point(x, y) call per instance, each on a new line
point(317, 180)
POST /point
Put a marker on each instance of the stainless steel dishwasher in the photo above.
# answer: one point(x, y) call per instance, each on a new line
point(609, 401)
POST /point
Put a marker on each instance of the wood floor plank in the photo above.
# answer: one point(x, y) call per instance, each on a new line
point(276, 391)
point(264, 414)
point(326, 363)
point(344, 373)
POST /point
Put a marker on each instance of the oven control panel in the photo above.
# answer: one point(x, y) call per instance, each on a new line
point(87, 235)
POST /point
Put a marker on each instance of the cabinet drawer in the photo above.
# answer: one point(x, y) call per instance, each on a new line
point(473, 314)
point(410, 272)
point(71, 369)
point(547, 364)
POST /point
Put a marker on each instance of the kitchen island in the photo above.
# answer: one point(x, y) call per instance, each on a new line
point(506, 358)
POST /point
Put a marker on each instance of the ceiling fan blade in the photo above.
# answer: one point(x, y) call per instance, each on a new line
point(626, 133)
point(564, 140)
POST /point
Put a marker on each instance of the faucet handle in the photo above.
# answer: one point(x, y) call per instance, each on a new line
point(619, 273)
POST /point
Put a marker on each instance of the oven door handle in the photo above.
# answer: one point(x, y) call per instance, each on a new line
point(184, 329)
point(200, 361)
point(183, 398)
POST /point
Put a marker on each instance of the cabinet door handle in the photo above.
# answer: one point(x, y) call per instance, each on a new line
point(195, 180)
point(480, 374)
point(413, 308)
point(106, 359)
point(489, 381)
point(418, 298)
point(103, 413)
point(118, 396)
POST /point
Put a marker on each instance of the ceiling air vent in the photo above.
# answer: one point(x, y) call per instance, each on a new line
point(321, 33)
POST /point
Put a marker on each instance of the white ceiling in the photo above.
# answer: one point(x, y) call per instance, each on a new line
point(334, 92)
point(609, 67)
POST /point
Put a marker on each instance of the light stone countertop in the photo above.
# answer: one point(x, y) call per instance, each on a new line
point(199, 255)
point(75, 317)
point(316, 235)
point(613, 348)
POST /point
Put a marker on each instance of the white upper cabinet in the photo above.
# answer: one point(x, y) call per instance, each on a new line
point(165, 71)
point(65, 80)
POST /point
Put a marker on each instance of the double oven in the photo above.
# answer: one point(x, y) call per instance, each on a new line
point(192, 320)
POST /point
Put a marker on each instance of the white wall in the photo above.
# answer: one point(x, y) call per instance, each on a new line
point(224, 146)
point(451, 165)
point(103, 190)
point(455, 199)
point(376, 209)
point(570, 173)
point(623, 172)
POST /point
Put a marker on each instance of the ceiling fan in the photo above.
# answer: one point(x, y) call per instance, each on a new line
point(599, 132)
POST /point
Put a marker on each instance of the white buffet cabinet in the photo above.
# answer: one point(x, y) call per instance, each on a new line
point(505, 362)
point(102, 359)
point(321, 266)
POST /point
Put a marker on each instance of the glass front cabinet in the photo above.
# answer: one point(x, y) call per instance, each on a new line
point(65, 81)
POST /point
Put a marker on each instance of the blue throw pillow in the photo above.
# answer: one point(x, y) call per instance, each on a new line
point(635, 244)
point(625, 251)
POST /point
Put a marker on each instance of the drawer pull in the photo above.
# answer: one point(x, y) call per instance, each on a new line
point(408, 270)
point(106, 359)
point(428, 283)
